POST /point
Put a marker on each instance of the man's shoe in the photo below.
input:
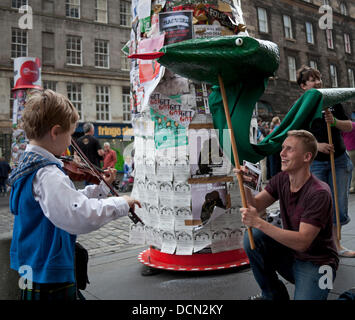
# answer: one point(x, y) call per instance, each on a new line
point(346, 253)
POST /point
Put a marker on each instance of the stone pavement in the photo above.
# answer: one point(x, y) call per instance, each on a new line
point(114, 265)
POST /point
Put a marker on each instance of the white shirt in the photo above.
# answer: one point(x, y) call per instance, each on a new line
point(75, 211)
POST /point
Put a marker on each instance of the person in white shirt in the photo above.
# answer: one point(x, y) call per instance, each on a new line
point(49, 211)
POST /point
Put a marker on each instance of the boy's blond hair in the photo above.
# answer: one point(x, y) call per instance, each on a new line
point(308, 140)
point(45, 109)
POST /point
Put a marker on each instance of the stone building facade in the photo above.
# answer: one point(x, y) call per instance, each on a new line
point(79, 43)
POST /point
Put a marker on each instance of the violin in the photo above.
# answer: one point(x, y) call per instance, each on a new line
point(79, 171)
point(95, 172)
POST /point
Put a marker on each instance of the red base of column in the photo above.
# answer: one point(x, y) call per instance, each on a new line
point(196, 262)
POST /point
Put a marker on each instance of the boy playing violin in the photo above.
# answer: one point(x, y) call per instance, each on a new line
point(49, 211)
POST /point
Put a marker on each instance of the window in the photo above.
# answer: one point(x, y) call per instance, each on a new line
point(101, 11)
point(18, 43)
point(72, 8)
point(292, 68)
point(75, 96)
point(48, 6)
point(52, 85)
point(74, 50)
point(125, 13)
point(309, 33)
point(351, 77)
point(12, 100)
point(18, 3)
point(326, 2)
point(126, 104)
point(347, 43)
point(102, 54)
point(333, 76)
point(288, 27)
point(125, 62)
point(343, 9)
point(262, 19)
point(48, 48)
point(329, 35)
point(103, 103)
point(313, 64)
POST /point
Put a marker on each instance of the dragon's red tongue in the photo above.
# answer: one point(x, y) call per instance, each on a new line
point(146, 56)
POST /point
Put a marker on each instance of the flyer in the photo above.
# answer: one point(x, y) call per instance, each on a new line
point(181, 215)
point(181, 169)
point(136, 234)
point(252, 178)
point(166, 218)
point(182, 193)
point(202, 238)
point(184, 242)
point(165, 168)
point(168, 241)
point(220, 240)
point(166, 193)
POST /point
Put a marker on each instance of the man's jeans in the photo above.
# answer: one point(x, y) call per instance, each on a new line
point(343, 168)
point(270, 256)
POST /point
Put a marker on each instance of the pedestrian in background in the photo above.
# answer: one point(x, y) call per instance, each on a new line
point(309, 78)
point(349, 140)
point(90, 146)
point(110, 156)
point(4, 173)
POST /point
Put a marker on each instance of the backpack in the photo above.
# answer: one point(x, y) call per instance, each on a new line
point(81, 266)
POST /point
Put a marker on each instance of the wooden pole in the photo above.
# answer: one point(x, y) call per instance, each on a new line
point(335, 189)
point(235, 154)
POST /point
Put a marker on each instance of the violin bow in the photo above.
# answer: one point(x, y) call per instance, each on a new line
point(132, 215)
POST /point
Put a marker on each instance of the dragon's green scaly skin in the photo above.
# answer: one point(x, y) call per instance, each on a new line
point(235, 58)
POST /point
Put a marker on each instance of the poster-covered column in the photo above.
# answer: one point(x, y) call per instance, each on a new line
point(190, 199)
point(27, 76)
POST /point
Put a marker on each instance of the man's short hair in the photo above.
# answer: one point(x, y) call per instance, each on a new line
point(107, 144)
point(44, 110)
point(305, 72)
point(308, 140)
point(87, 127)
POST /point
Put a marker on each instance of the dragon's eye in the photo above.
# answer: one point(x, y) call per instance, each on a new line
point(239, 42)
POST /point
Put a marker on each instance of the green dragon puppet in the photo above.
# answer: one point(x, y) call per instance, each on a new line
point(245, 65)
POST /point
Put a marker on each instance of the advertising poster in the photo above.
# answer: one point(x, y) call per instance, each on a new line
point(205, 197)
point(171, 108)
point(167, 132)
point(177, 26)
point(150, 72)
point(206, 157)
